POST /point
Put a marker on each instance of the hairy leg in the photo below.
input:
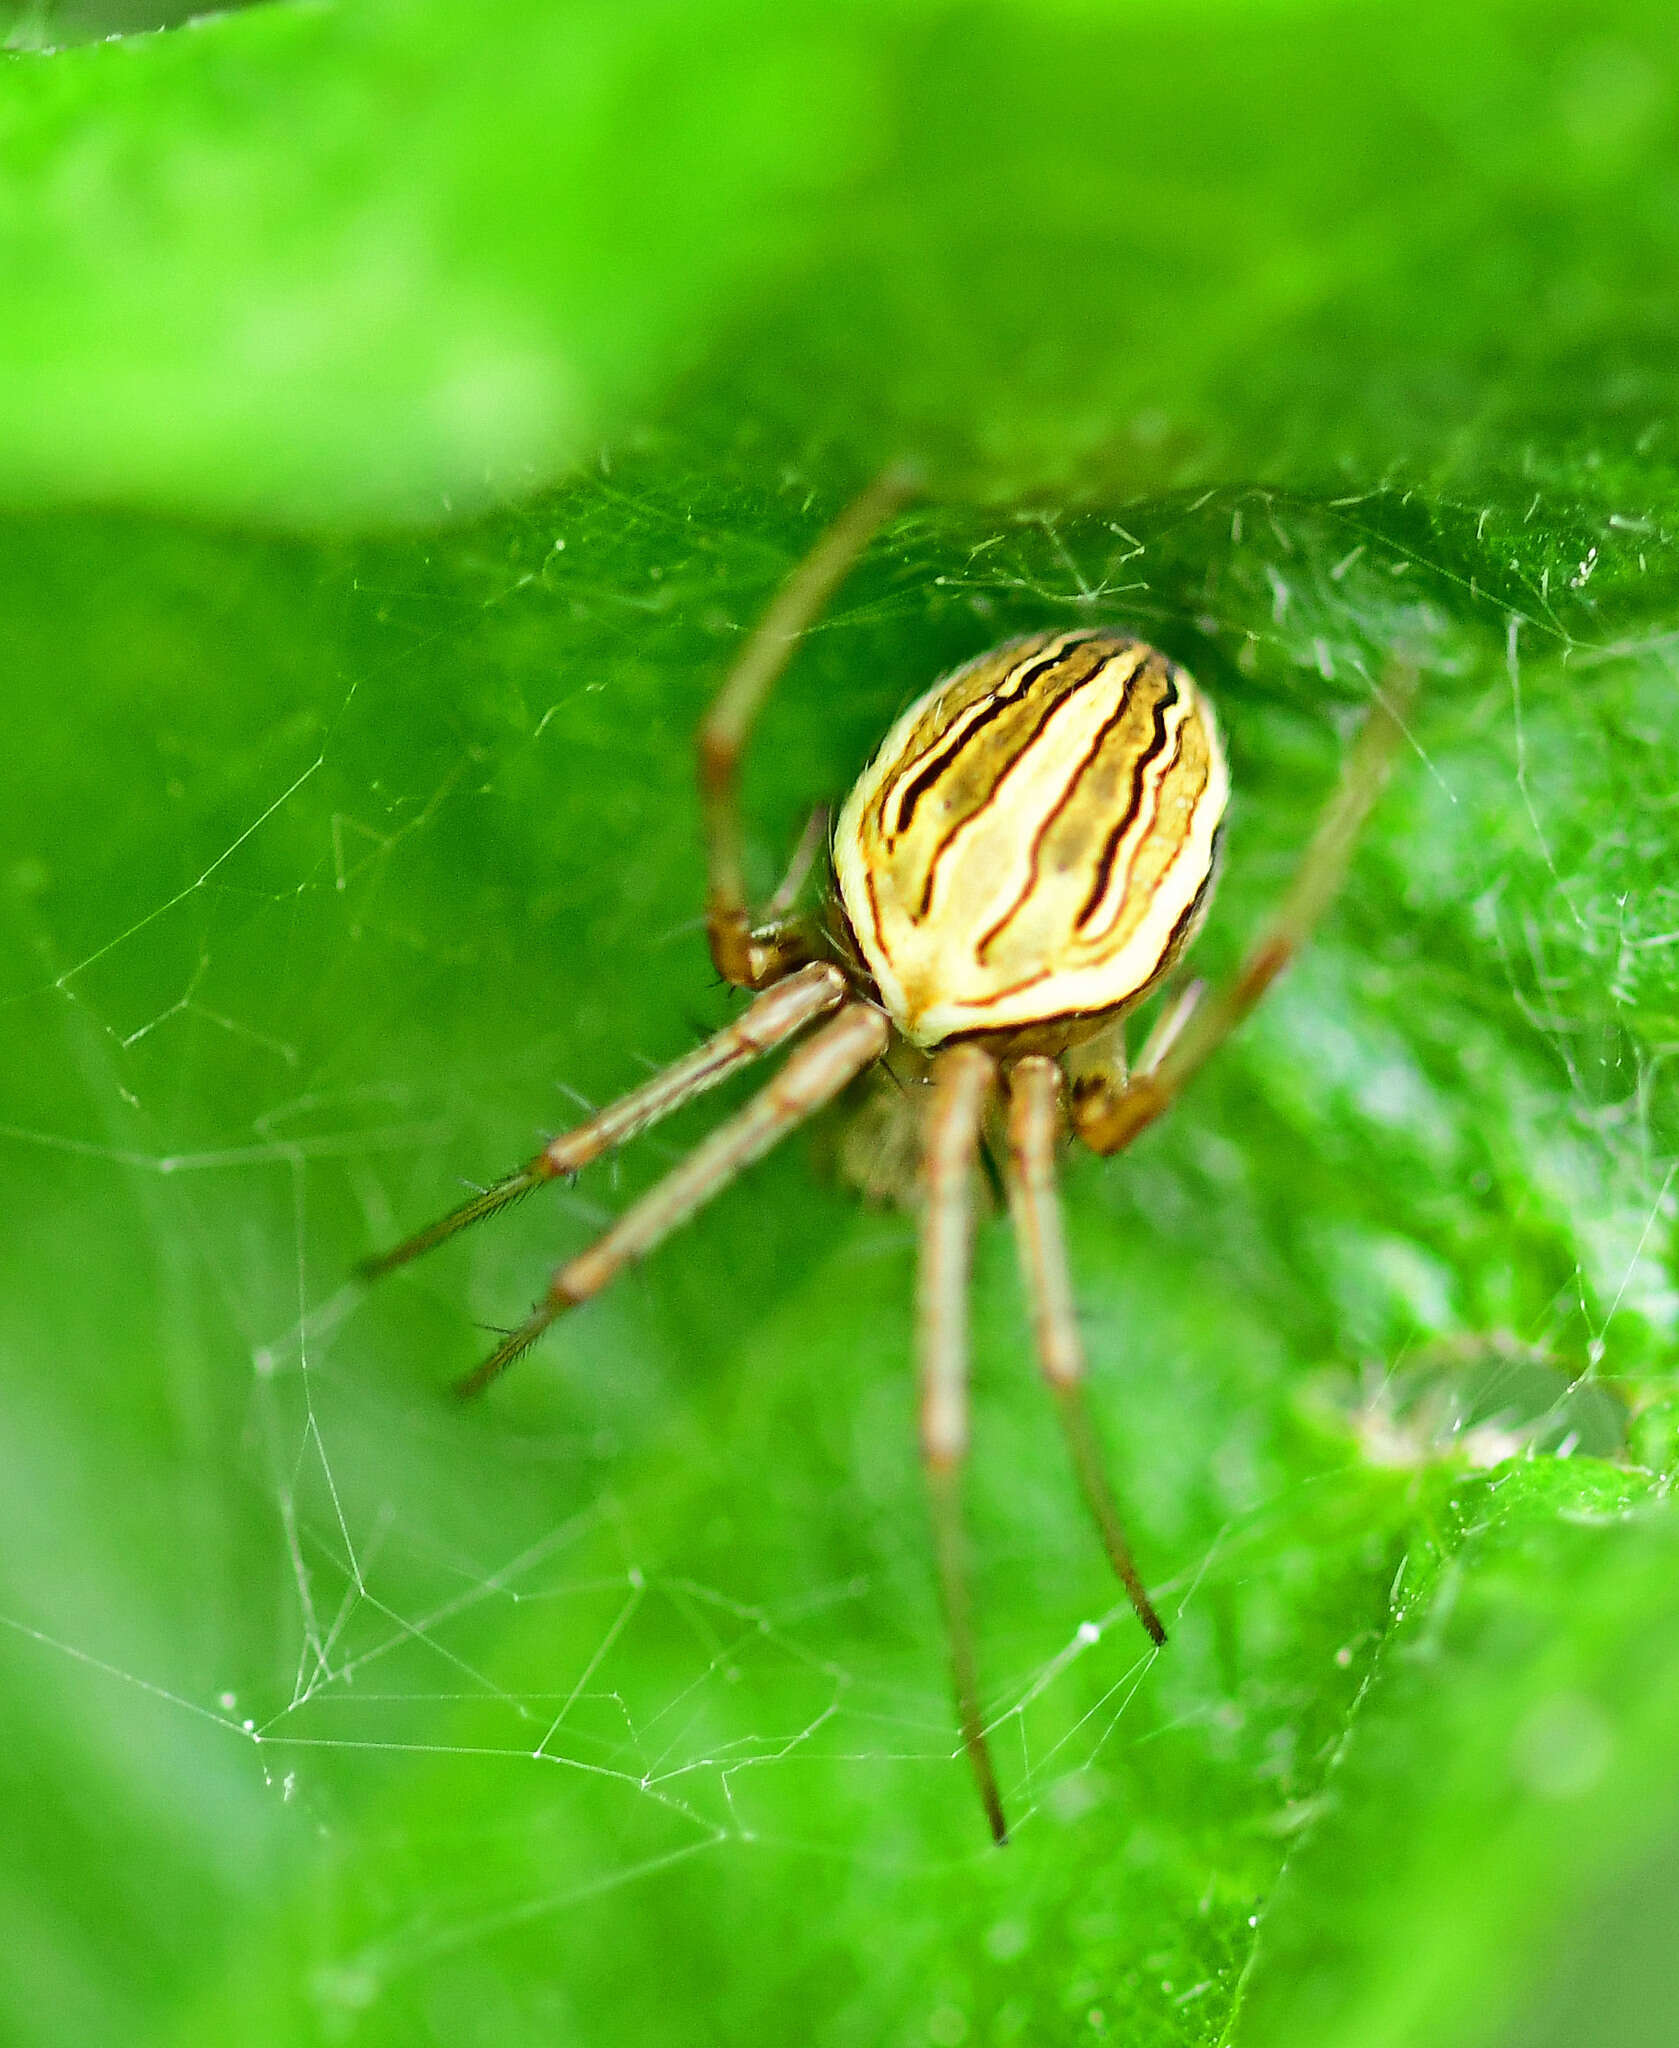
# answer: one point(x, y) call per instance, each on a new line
point(743, 955)
point(815, 1073)
point(781, 1011)
point(1034, 1122)
point(963, 1081)
point(1107, 1118)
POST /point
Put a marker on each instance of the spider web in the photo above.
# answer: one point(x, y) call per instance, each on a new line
point(407, 1610)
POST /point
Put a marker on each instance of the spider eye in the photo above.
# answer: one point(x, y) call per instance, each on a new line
point(1037, 837)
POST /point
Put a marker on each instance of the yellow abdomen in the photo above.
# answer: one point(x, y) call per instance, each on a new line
point(1036, 838)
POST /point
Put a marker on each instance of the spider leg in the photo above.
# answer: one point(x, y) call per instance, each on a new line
point(963, 1081)
point(799, 867)
point(813, 1075)
point(1169, 1026)
point(1107, 1119)
point(778, 1013)
point(742, 956)
point(1033, 1125)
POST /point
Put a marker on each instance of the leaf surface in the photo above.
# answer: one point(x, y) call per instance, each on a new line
point(403, 415)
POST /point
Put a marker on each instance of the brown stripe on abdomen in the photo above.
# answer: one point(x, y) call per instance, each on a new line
point(1058, 809)
point(1059, 799)
point(946, 752)
point(1111, 845)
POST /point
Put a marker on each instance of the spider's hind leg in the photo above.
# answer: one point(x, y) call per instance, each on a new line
point(1100, 1073)
point(746, 955)
point(1108, 1119)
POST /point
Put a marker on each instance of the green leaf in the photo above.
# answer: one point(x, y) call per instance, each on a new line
point(321, 263)
point(1520, 1719)
point(346, 848)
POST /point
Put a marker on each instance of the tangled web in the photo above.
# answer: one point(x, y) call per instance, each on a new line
point(409, 1616)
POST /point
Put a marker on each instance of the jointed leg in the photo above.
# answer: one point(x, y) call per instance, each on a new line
point(779, 1012)
point(741, 956)
point(813, 1075)
point(1108, 1119)
point(1100, 1070)
point(1169, 1026)
point(963, 1080)
point(1034, 1119)
point(799, 867)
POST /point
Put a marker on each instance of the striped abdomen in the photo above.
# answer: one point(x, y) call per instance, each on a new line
point(1036, 838)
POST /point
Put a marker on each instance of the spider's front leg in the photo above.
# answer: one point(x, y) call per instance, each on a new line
point(779, 1014)
point(821, 1068)
point(1110, 1107)
point(1034, 1121)
point(964, 1080)
point(746, 953)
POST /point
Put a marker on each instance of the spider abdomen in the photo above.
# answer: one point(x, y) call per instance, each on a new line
point(1036, 838)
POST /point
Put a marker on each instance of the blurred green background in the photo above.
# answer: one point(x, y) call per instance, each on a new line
point(404, 410)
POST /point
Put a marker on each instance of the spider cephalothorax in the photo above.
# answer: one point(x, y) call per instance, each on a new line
point(1023, 861)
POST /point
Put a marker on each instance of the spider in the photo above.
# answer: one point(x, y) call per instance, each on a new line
point(1026, 858)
